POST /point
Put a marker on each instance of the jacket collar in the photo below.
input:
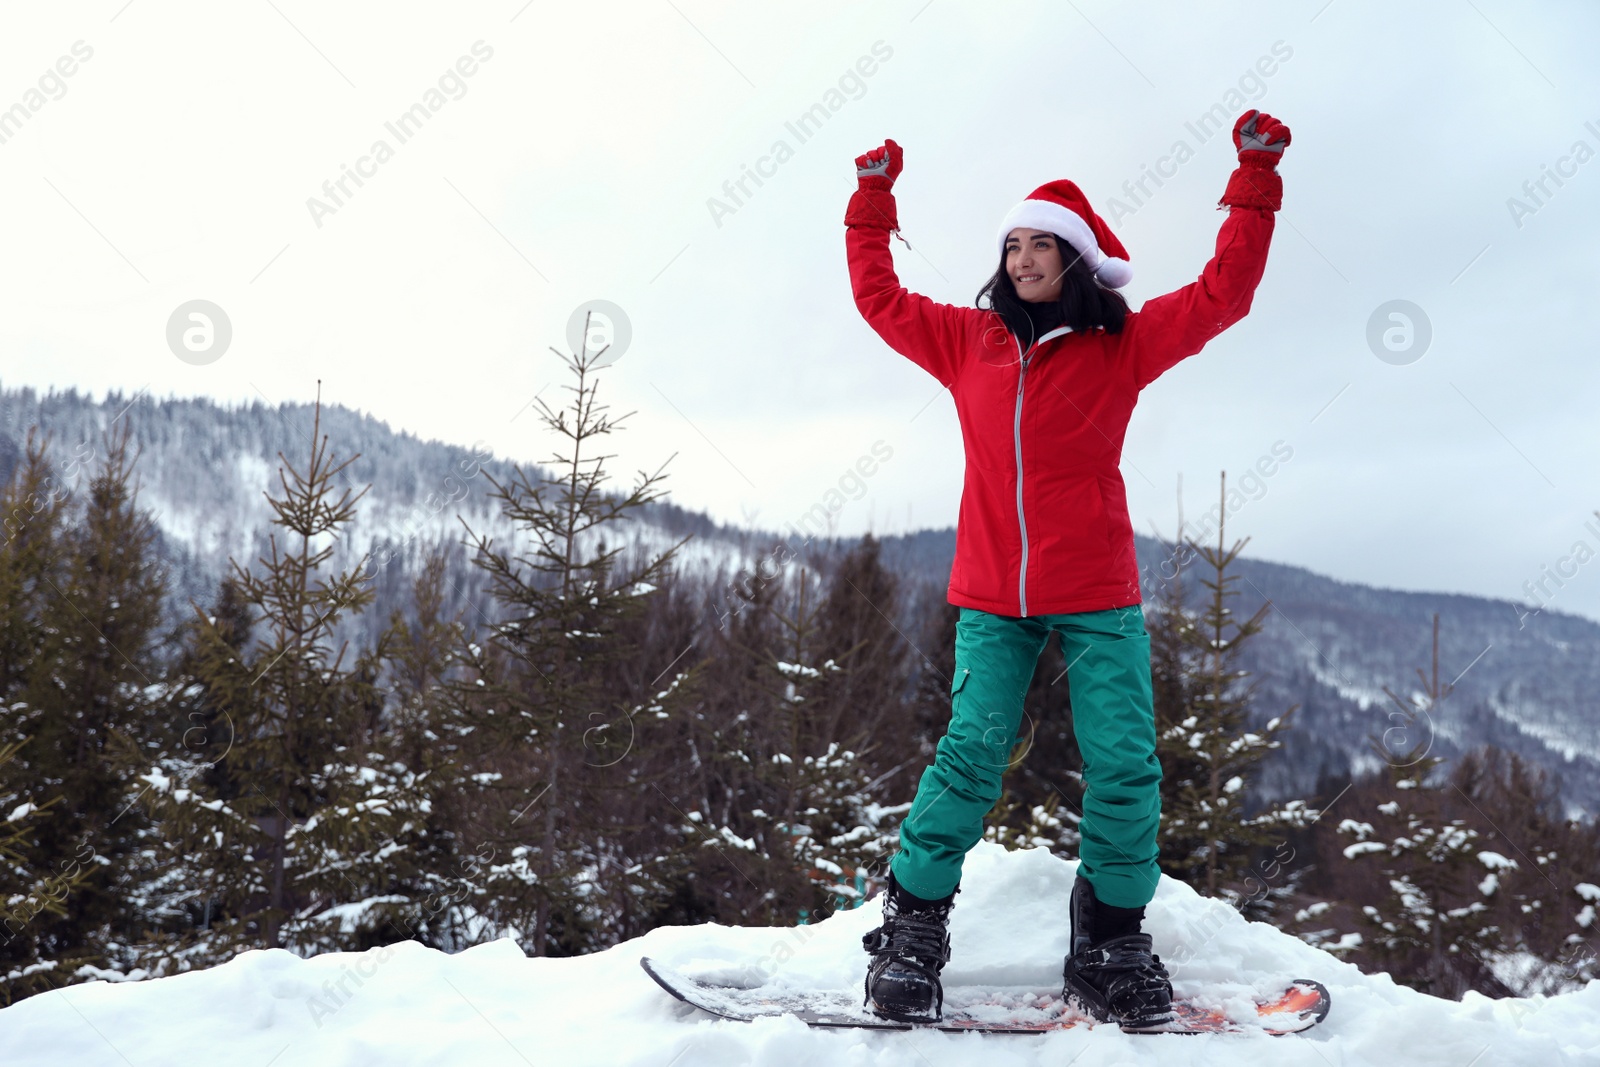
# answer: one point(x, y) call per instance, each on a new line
point(1048, 335)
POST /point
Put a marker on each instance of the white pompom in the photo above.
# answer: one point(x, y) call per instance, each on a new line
point(1114, 273)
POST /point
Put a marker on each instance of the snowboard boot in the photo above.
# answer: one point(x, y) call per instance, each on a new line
point(908, 952)
point(1112, 973)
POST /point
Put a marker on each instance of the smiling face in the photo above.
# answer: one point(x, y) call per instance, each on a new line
point(1033, 260)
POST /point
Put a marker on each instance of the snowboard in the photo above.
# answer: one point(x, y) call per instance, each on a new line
point(974, 1009)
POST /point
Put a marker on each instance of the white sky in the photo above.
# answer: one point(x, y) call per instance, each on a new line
point(578, 163)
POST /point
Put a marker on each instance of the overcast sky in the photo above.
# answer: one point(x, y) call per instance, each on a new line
point(572, 152)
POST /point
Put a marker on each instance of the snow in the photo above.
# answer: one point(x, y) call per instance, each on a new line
point(1363, 696)
point(353, 917)
point(489, 1005)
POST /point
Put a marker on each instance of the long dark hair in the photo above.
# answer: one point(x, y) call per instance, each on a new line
point(1085, 304)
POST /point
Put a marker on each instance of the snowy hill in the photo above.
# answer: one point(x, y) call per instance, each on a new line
point(405, 1004)
point(204, 469)
point(1524, 682)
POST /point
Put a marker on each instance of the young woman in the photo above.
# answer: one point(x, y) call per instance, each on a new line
point(1045, 379)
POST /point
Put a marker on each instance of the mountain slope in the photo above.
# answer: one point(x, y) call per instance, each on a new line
point(204, 470)
point(1524, 682)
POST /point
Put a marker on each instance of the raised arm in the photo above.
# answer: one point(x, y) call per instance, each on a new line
point(930, 334)
point(1170, 328)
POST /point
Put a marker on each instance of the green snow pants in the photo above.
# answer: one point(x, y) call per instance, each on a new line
point(1113, 716)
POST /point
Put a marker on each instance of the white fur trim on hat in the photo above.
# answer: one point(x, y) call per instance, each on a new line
point(1053, 218)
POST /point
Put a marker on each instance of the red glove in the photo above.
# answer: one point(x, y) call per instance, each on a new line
point(873, 202)
point(1255, 183)
point(1259, 139)
point(879, 168)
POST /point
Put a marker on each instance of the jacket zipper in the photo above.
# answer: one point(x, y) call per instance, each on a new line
point(1022, 522)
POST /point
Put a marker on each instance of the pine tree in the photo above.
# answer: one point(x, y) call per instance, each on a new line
point(1537, 875)
point(26, 967)
point(33, 516)
point(83, 607)
point(1429, 863)
point(869, 713)
point(280, 829)
point(1468, 880)
point(542, 694)
point(1422, 881)
point(179, 896)
point(433, 864)
point(819, 788)
point(1433, 916)
point(724, 784)
point(1205, 741)
point(788, 821)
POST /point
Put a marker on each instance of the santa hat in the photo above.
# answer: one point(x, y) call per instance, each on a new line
point(1061, 208)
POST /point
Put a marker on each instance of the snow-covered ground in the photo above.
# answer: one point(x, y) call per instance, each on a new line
point(491, 1005)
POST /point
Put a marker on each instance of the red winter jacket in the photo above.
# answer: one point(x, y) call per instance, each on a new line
point(1055, 538)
